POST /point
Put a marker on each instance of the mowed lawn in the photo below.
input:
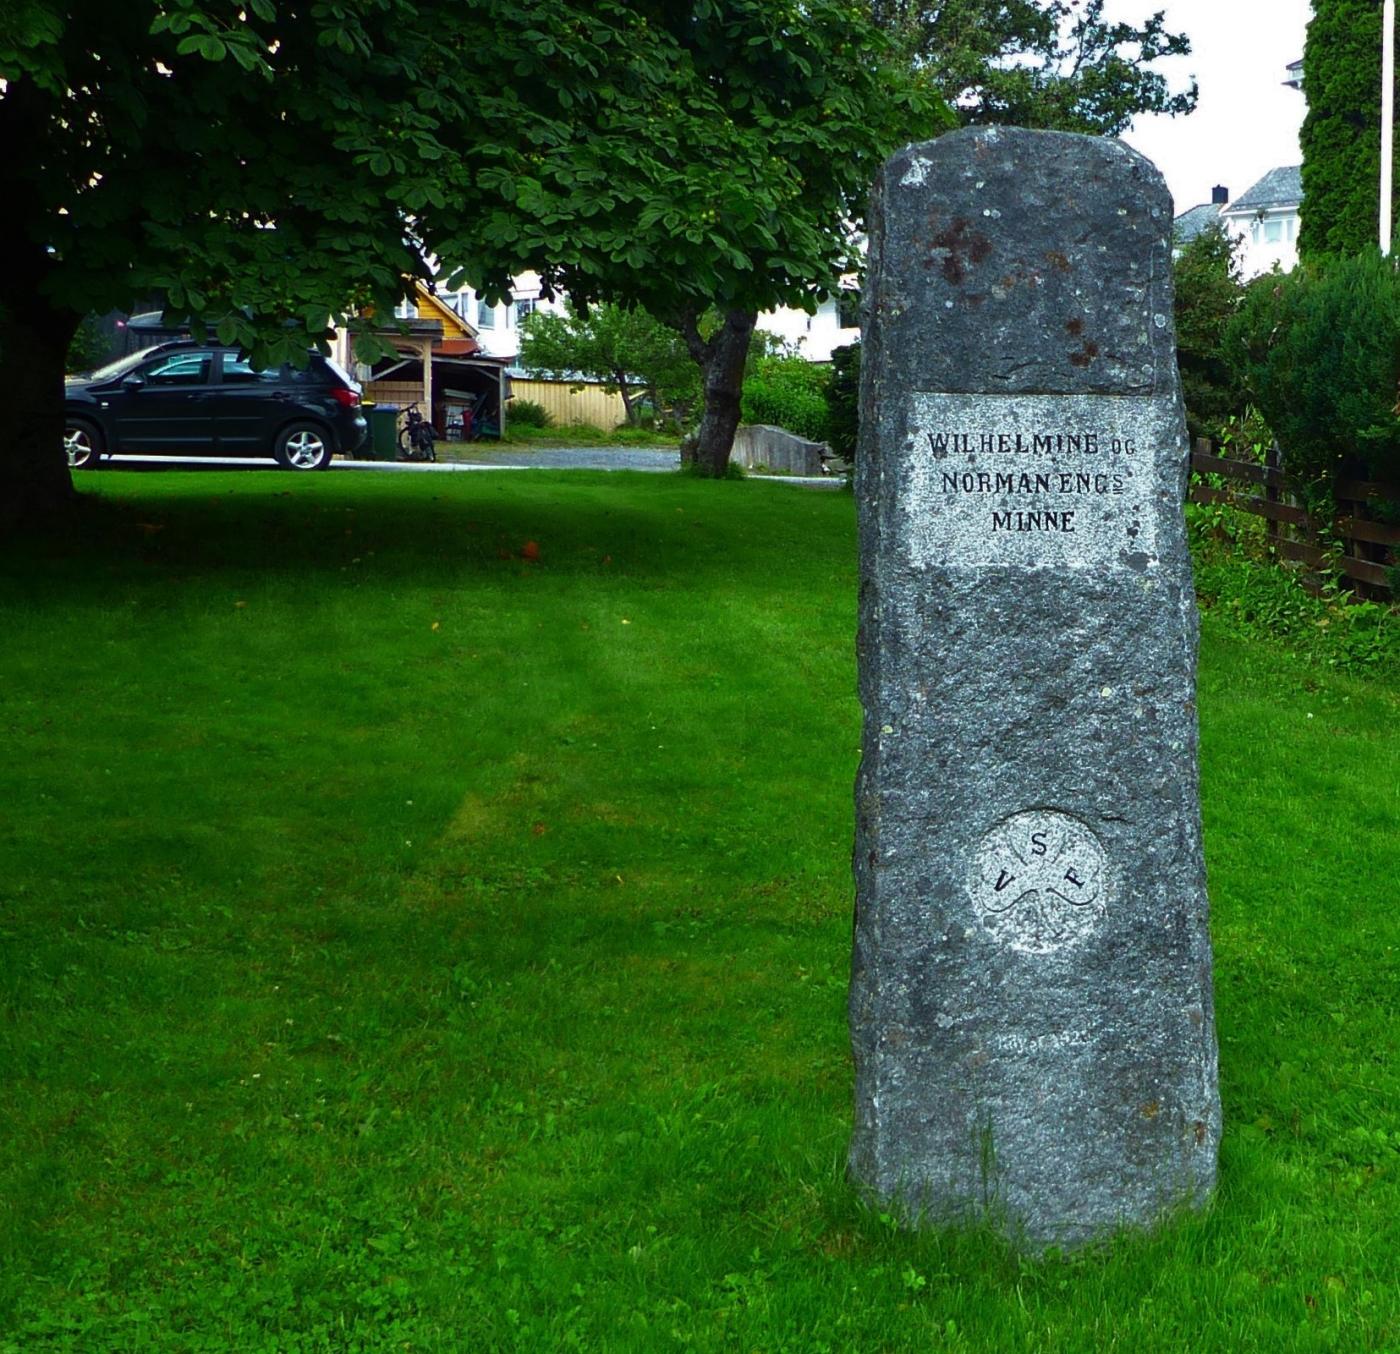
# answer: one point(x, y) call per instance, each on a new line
point(425, 918)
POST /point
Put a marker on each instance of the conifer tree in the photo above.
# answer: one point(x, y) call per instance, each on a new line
point(1341, 135)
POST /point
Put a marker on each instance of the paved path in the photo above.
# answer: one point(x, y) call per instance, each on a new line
point(651, 460)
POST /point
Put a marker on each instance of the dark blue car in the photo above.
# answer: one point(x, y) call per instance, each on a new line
point(189, 399)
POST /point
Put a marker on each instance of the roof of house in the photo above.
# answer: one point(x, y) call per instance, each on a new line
point(1282, 187)
point(1192, 222)
point(432, 306)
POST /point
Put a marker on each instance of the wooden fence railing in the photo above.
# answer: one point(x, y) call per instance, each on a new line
point(1370, 548)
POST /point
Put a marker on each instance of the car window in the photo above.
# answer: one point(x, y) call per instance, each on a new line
point(341, 374)
point(240, 371)
point(179, 369)
point(121, 365)
point(314, 373)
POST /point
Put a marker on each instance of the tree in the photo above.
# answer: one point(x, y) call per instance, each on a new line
point(723, 171)
point(249, 165)
point(1341, 136)
point(1208, 293)
point(270, 167)
point(1052, 64)
point(628, 350)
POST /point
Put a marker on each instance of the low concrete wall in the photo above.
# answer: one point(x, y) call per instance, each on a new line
point(777, 449)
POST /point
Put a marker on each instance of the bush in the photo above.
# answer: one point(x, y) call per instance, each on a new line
point(789, 392)
point(843, 401)
point(1208, 294)
point(1319, 350)
point(91, 346)
point(529, 414)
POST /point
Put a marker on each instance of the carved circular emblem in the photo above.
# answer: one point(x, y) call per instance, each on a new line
point(1040, 881)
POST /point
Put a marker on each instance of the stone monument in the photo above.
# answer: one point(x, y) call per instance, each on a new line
point(1031, 1007)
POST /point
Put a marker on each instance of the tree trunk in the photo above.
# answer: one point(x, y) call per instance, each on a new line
point(721, 359)
point(621, 378)
point(36, 486)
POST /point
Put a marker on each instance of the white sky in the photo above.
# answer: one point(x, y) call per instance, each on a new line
point(1247, 120)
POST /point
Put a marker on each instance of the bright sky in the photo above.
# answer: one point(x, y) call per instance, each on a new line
point(1247, 120)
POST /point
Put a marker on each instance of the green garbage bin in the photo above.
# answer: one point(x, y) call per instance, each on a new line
point(382, 441)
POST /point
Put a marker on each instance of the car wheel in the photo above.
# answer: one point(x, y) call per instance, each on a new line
point(83, 443)
point(304, 446)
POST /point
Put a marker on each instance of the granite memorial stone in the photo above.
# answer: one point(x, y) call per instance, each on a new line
point(1031, 1008)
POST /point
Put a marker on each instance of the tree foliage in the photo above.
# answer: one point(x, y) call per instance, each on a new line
point(252, 162)
point(263, 161)
point(271, 166)
point(250, 166)
point(1341, 136)
point(1052, 64)
point(1208, 293)
point(723, 174)
point(629, 351)
point(1319, 350)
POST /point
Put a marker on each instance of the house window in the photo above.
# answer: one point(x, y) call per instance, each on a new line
point(460, 301)
point(1273, 232)
point(406, 310)
point(485, 315)
point(1290, 223)
point(525, 306)
point(848, 308)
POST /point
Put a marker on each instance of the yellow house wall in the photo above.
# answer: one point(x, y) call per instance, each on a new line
point(590, 405)
point(429, 308)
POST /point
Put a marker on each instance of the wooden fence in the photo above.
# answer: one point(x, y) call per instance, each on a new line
point(1370, 548)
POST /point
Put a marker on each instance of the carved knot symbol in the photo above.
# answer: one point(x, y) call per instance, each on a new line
point(1039, 880)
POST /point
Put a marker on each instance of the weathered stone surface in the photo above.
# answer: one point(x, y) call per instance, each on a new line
point(1031, 1007)
point(762, 444)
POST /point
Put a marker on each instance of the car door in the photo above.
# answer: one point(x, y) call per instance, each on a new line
point(250, 406)
point(167, 405)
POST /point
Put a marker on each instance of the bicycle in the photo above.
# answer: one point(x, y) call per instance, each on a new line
point(416, 437)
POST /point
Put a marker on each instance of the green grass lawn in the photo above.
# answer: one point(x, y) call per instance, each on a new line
point(413, 944)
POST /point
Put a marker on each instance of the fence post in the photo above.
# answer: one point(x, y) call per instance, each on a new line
point(1273, 460)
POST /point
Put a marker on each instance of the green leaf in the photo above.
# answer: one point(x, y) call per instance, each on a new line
point(205, 44)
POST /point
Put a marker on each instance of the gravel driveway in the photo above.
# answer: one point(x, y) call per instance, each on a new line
point(579, 458)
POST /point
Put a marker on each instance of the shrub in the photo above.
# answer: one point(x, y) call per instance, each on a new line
point(91, 346)
point(529, 414)
point(1319, 350)
point(789, 392)
point(1208, 293)
point(843, 401)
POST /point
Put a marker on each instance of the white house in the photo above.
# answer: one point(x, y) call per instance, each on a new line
point(1264, 219)
point(834, 323)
